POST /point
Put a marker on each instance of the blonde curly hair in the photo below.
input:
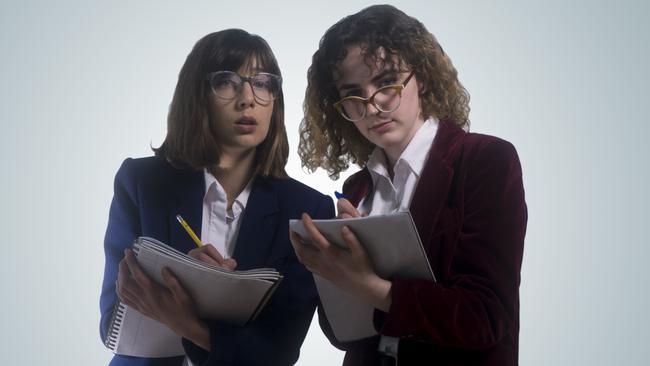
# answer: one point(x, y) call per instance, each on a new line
point(329, 141)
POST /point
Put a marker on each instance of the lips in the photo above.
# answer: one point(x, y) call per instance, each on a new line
point(246, 121)
point(380, 127)
point(245, 125)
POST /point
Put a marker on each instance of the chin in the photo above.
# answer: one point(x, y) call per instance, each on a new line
point(386, 140)
point(249, 142)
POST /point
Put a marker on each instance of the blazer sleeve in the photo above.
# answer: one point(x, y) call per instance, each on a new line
point(123, 227)
point(478, 303)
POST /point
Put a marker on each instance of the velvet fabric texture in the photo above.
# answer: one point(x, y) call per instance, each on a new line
point(470, 213)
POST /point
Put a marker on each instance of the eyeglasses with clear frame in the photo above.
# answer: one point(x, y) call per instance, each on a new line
point(228, 84)
point(386, 99)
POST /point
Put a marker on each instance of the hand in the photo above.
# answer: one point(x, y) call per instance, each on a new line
point(209, 254)
point(349, 269)
point(169, 304)
point(346, 209)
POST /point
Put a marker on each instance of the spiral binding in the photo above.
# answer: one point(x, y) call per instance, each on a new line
point(115, 326)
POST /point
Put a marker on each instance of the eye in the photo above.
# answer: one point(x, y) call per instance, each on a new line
point(262, 82)
point(389, 80)
point(224, 81)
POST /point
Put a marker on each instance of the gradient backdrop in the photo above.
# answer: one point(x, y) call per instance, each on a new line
point(85, 84)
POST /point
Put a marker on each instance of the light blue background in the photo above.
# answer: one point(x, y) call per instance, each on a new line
point(86, 84)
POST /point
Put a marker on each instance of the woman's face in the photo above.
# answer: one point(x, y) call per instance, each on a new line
point(391, 131)
point(241, 122)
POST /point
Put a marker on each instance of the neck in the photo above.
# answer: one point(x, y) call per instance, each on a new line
point(233, 172)
point(391, 158)
point(393, 152)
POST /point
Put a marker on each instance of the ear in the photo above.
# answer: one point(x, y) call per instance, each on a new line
point(421, 88)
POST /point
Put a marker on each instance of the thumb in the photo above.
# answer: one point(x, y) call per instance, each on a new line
point(173, 284)
point(169, 279)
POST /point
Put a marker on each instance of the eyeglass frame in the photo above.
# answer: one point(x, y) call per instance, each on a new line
point(371, 99)
point(209, 76)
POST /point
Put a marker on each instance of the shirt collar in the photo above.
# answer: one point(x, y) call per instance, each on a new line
point(415, 154)
point(212, 183)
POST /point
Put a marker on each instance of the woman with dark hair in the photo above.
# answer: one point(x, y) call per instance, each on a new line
point(383, 94)
point(221, 167)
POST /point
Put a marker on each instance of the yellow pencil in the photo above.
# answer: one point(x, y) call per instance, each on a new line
point(189, 231)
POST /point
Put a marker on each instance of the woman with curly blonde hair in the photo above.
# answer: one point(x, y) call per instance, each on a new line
point(327, 140)
point(383, 94)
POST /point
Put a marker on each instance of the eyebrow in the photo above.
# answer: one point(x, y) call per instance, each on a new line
point(375, 79)
point(252, 69)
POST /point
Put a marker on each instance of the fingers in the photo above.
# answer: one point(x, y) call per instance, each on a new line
point(346, 209)
point(307, 253)
point(209, 254)
point(206, 258)
point(127, 289)
point(230, 263)
point(137, 273)
point(129, 298)
point(125, 282)
point(211, 251)
point(353, 243)
point(318, 240)
point(174, 286)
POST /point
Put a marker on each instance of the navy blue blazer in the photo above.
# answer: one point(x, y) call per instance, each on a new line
point(149, 193)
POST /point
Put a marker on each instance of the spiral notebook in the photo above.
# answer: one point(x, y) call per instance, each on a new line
point(233, 297)
point(395, 250)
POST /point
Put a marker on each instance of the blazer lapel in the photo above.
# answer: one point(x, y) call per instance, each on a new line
point(433, 187)
point(357, 186)
point(188, 189)
point(258, 226)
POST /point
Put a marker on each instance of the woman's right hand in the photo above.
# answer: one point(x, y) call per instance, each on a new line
point(209, 254)
point(168, 303)
point(346, 209)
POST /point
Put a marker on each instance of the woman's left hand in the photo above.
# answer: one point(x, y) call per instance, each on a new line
point(349, 269)
point(169, 304)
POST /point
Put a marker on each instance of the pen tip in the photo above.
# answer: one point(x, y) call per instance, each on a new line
point(179, 218)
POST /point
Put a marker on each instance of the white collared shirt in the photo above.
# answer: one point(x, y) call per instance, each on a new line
point(396, 195)
point(220, 226)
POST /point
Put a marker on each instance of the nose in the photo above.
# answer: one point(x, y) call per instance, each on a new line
point(371, 109)
point(246, 97)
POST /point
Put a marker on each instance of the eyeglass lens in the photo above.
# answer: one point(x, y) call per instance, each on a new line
point(227, 85)
point(386, 99)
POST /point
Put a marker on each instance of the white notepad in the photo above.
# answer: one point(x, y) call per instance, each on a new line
point(395, 250)
point(234, 297)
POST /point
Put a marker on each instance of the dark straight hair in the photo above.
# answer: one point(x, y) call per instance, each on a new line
point(191, 140)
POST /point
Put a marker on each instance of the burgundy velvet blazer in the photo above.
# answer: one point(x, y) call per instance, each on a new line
point(471, 215)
